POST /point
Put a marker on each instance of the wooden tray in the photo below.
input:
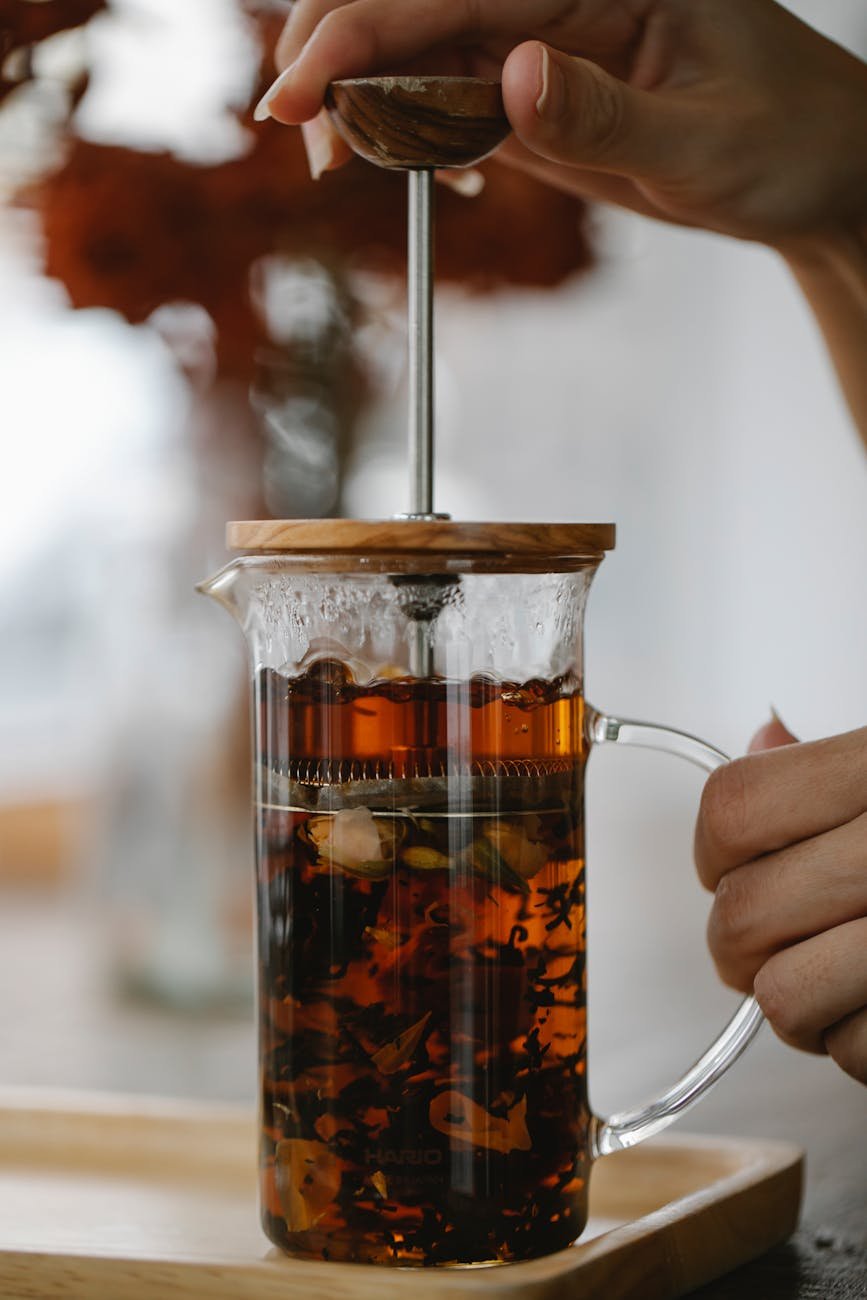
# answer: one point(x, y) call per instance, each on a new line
point(132, 1198)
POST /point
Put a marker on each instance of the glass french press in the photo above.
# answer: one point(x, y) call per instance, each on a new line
point(421, 734)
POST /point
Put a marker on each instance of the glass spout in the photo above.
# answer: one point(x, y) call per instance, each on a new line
point(223, 587)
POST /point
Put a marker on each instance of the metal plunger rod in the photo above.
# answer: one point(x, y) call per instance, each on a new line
point(418, 124)
point(421, 340)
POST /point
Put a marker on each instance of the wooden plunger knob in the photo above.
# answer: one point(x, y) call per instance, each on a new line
point(416, 122)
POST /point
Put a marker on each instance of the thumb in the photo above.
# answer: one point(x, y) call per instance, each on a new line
point(571, 111)
point(772, 735)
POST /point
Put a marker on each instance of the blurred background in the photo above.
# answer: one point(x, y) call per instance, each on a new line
point(191, 330)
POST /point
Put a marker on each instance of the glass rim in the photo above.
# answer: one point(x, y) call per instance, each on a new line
point(402, 563)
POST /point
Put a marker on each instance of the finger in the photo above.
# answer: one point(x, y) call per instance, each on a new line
point(847, 1044)
point(491, 18)
point(807, 989)
point(367, 36)
point(299, 26)
point(770, 736)
point(466, 181)
point(456, 62)
point(571, 111)
point(324, 147)
point(785, 897)
point(583, 24)
point(767, 801)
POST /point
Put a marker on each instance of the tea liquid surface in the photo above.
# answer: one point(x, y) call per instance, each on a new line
point(422, 977)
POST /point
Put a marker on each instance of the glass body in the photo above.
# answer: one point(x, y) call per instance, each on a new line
point(420, 744)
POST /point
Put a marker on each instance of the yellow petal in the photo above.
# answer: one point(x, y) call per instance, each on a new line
point(308, 1180)
point(391, 672)
point(389, 1058)
point(523, 855)
point(421, 858)
point(388, 938)
point(464, 1120)
point(376, 870)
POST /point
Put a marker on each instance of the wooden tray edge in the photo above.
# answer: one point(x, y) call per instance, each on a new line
point(654, 1256)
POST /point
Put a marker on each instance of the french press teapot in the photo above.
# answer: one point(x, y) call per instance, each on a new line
point(421, 733)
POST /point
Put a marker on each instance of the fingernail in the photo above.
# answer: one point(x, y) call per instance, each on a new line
point(552, 95)
point(772, 734)
point(318, 140)
point(262, 111)
point(775, 717)
point(469, 184)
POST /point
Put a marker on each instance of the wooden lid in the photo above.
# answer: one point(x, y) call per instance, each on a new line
point(306, 536)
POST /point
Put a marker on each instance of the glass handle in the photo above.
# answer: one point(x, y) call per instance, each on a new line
point(630, 1127)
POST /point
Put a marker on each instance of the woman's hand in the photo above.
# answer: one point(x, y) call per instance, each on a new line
point(727, 114)
point(781, 839)
point(730, 115)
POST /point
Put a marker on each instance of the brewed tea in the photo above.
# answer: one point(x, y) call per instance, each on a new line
point(421, 905)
